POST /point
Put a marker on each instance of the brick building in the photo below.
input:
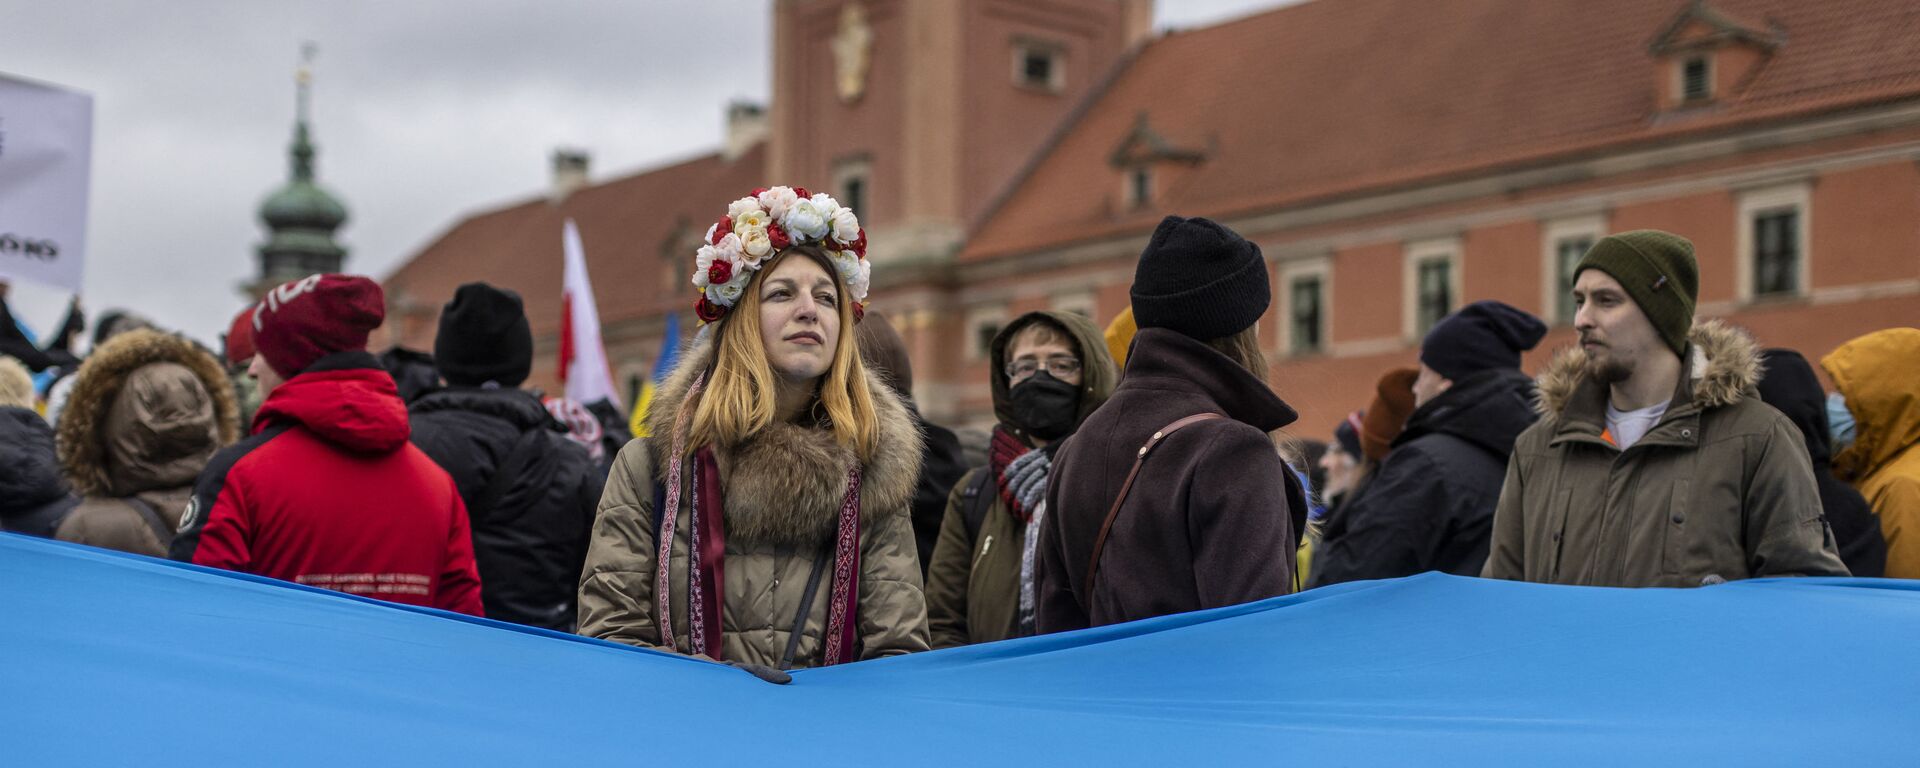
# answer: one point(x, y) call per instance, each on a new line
point(1393, 159)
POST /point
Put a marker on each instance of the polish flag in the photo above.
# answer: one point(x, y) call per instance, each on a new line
point(583, 361)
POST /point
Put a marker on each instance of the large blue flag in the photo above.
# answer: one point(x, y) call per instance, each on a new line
point(114, 659)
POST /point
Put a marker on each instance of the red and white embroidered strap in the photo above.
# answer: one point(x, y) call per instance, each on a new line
point(842, 615)
point(663, 559)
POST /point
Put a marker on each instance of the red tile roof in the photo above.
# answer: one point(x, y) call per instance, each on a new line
point(1332, 98)
point(625, 226)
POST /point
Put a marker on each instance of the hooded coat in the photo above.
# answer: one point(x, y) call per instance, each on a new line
point(34, 497)
point(146, 412)
point(1788, 384)
point(329, 493)
point(782, 490)
point(1430, 505)
point(531, 544)
point(973, 581)
point(1876, 373)
point(1719, 489)
point(1212, 516)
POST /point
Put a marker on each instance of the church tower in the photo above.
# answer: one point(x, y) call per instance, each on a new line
point(300, 217)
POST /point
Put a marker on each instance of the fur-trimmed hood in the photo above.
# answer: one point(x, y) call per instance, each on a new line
point(1722, 362)
point(786, 483)
point(162, 433)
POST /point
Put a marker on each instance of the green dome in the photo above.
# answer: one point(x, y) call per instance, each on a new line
point(302, 204)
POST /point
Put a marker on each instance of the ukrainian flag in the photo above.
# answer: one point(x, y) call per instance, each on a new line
point(669, 357)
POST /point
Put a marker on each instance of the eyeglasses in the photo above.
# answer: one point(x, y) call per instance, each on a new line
point(1057, 367)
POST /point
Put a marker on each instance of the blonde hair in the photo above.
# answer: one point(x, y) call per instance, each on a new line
point(741, 391)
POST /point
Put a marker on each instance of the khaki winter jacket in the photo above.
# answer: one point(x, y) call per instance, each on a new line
point(782, 491)
point(973, 582)
point(1877, 373)
point(147, 411)
point(1720, 489)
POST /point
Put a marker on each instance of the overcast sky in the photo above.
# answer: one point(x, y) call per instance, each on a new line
point(423, 111)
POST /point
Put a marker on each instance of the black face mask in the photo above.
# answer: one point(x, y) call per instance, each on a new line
point(1044, 406)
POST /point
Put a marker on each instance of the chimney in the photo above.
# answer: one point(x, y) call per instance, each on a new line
point(569, 173)
point(746, 126)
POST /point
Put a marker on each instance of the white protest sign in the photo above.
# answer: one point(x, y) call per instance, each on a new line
point(46, 154)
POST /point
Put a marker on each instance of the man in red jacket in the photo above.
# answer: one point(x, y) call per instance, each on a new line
point(328, 491)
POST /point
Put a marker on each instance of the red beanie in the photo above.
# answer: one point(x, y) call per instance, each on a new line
point(307, 319)
point(240, 337)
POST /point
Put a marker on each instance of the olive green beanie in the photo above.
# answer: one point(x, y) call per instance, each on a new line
point(1658, 271)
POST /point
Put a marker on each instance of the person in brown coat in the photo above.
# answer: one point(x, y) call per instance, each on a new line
point(147, 411)
point(765, 522)
point(1655, 463)
point(1211, 518)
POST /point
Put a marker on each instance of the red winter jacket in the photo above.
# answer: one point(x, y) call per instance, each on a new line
point(328, 492)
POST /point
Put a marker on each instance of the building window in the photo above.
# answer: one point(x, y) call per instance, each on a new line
point(1696, 79)
point(1139, 186)
point(853, 184)
point(984, 323)
point(1081, 303)
point(1564, 242)
point(1039, 66)
point(1304, 312)
point(1433, 284)
point(1775, 257)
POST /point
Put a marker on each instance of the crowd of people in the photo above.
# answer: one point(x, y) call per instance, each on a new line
point(790, 507)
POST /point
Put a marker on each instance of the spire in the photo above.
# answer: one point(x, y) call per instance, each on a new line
point(301, 217)
point(303, 99)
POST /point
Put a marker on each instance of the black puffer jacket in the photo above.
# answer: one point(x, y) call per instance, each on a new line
point(34, 497)
point(1430, 505)
point(1789, 385)
point(532, 544)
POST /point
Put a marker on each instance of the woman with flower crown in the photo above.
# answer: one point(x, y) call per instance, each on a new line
point(766, 520)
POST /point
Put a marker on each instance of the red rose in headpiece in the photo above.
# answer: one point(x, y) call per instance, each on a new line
point(859, 244)
point(720, 230)
point(777, 235)
point(720, 272)
point(801, 192)
point(859, 311)
point(708, 311)
point(757, 191)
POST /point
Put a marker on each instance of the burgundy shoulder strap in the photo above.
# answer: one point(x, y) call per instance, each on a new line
point(1106, 526)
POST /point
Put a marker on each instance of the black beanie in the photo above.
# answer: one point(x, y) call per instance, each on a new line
point(1199, 279)
point(1347, 436)
point(484, 337)
point(1481, 336)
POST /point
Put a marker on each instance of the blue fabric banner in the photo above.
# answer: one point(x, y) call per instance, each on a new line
point(124, 660)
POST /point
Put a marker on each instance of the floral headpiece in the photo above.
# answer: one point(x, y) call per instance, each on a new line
point(760, 226)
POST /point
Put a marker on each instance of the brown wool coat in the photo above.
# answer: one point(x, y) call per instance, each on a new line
point(782, 492)
point(146, 412)
point(1720, 489)
point(1209, 520)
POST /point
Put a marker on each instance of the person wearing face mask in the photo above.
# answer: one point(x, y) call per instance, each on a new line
point(765, 520)
point(1050, 370)
point(1873, 379)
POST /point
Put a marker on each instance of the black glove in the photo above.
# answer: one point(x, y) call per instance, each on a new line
point(763, 672)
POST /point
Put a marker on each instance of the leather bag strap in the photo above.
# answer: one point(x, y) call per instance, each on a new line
point(1106, 526)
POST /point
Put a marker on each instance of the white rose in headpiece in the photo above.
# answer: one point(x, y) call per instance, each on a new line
point(777, 200)
point(846, 226)
point(728, 247)
point(750, 220)
point(825, 202)
point(805, 221)
point(861, 285)
point(755, 246)
point(708, 237)
point(742, 207)
point(729, 293)
point(847, 264)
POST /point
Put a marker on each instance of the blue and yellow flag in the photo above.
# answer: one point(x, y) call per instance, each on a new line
point(669, 357)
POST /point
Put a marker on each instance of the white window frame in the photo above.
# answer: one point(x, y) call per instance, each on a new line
point(1128, 192)
point(1416, 253)
point(850, 168)
point(1592, 227)
point(1322, 268)
point(978, 316)
point(1085, 302)
point(1057, 74)
point(1757, 202)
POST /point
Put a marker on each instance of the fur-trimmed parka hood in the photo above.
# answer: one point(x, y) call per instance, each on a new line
point(1723, 365)
point(786, 484)
point(147, 411)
